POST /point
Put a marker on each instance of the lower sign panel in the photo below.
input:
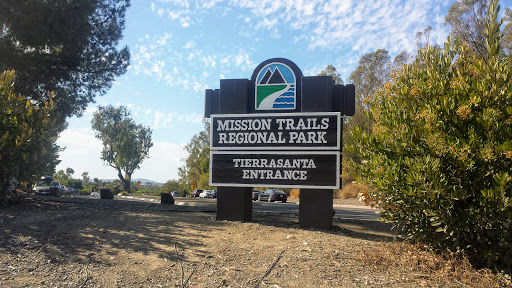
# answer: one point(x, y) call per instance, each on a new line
point(275, 169)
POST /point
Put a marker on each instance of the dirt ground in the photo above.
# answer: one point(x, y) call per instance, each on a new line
point(76, 242)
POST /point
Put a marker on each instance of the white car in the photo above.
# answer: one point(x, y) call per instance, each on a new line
point(205, 194)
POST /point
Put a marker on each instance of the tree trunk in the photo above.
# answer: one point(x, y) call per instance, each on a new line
point(126, 182)
point(127, 185)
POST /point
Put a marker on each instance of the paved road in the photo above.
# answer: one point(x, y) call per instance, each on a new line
point(341, 211)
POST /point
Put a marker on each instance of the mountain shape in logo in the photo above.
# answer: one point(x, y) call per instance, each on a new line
point(266, 77)
point(276, 77)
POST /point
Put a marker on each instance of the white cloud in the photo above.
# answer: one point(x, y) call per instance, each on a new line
point(366, 25)
point(185, 22)
point(210, 3)
point(318, 26)
point(266, 23)
point(163, 39)
point(189, 44)
point(162, 120)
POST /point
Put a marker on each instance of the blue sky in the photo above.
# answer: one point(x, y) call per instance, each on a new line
point(179, 48)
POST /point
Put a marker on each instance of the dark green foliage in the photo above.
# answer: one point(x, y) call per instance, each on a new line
point(70, 47)
point(27, 137)
point(171, 186)
point(196, 168)
point(74, 183)
point(439, 158)
point(125, 144)
point(372, 71)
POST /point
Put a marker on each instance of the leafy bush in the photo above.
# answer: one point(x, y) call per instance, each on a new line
point(155, 193)
point(28, 132)
point(124, 193)
point(439, 160)
point(116, 190)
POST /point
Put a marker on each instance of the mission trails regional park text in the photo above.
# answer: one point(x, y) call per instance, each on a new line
point(284, 125)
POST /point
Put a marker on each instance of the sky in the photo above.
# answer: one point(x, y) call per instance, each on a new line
point(179, 48)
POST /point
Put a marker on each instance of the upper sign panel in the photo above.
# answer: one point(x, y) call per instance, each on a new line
point(277, 87)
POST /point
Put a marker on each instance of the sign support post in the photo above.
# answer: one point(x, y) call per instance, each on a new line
point(234, 203)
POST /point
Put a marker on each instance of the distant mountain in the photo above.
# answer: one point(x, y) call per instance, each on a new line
point(142, 180)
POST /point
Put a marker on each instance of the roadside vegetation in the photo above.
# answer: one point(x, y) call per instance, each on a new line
point(55, 58)
point(438, 158)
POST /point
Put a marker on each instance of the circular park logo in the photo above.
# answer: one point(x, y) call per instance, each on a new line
point(275, 88)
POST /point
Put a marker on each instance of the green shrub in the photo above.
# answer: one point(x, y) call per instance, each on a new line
point(28, 133)
point(116, 190)
point(124, 193)
point(155, 193)
point(439, 160)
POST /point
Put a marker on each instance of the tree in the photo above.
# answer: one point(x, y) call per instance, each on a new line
point(70, 47)
point(439, 158)
point(75, 183)
point(197, 162)
point(96, 184)
point(423, 38)
point(467, 19)
point(506, 41)
point(125, 144)
point(373, 70)
point(70, 171)
point(27, 138)
point(61, 176)
point(85, 178)
point(331, 71)
point(170, 186)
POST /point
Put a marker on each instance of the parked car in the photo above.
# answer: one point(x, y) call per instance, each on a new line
point(204, 194)
point(272, 195)
point(195, 193)
point(52, 188)
point(255, 194)
point(212, 194)
point(175, 194)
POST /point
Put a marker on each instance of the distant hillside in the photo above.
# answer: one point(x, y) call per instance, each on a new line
point(142, 180)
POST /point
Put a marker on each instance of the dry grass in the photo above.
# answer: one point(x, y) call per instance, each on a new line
point(350, 190)
point(442, 268)
point(295, 192)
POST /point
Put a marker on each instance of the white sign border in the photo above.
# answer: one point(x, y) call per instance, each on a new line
point(337, 153)
point(273, 148)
